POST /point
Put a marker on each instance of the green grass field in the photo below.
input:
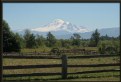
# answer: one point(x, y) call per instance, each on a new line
point(47, 49)
point(108, 76)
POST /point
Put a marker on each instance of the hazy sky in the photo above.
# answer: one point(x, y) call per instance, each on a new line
point(89, 15)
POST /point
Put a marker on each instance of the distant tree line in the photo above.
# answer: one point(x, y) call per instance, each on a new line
point(15, 42)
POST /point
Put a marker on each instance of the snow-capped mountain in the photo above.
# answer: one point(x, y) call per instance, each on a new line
point(60, 25)
point(64, 30)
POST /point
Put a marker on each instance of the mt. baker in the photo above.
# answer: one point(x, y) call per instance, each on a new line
point(60, 26)
point(64, 30)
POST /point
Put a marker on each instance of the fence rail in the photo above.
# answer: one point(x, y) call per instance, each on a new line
point(56, 65)
point(32, 74)
point(48, 74)
point(57, 57)
point(32, 66)
point(64, 65)
point(94, 56)
point(96, 71)
point(32, 57)
point(95, 65)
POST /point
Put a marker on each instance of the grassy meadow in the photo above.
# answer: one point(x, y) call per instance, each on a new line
point(46, 49)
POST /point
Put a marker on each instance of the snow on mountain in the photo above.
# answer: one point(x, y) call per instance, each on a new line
point(61, 29)
point(60, 25)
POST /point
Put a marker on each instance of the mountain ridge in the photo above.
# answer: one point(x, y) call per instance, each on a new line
point(64, 30)
point(111, 32)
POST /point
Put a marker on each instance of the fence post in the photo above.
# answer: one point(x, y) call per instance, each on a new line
point(64, 67)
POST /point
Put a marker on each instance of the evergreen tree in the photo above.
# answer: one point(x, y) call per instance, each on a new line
point(27, 35)
point(76, 39)
point(20, 39)
point(30, 39)
point(40, 40)
point(51, 40)
point(10, 43)
point(95, 38)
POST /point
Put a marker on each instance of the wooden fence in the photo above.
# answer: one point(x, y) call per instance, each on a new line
point(67, 51)
point(63, 65)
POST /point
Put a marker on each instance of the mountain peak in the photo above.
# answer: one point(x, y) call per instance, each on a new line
point(59, 20)
point(60, 25)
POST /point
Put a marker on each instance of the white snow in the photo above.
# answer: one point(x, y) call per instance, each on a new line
point(59, 24)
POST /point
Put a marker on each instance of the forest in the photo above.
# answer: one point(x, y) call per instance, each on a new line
point(14, 42)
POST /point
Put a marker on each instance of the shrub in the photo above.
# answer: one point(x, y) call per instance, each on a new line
point(109, 47)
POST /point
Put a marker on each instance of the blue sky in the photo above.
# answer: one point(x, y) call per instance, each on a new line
point(89, 15)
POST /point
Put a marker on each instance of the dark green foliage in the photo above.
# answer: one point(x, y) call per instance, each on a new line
point(109, 47)
point(27, 37)
point(76, 39)
point(32, 42)
point(30, 39)
point(76, 36)
point(51, 40)
point(66, 43)
point(107, 50)
point(58, 44)
point(110, 50)
point(102, 48)
point(55, 51)
point(95, 39)
point(10, 41)
point(20, 39)
point(84, 43)
point(76, 42)
point(116, 44)
point(40, 40)
point(106, 37)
